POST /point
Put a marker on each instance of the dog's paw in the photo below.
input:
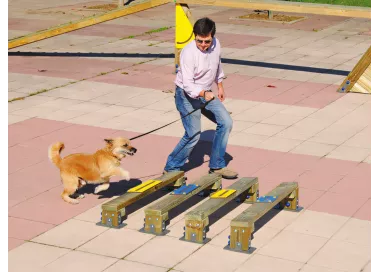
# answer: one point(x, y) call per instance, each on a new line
point(98, 189)
point(126, 175)
point(81, 196)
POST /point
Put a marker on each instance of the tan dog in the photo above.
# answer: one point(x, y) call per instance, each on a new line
point(78, 169)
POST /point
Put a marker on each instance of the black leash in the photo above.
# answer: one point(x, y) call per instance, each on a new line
point(146, 133)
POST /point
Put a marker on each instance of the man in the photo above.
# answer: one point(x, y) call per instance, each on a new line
point(200, 67)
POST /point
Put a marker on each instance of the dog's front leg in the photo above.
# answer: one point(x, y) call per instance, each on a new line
point(104, 186)
point(119, 172)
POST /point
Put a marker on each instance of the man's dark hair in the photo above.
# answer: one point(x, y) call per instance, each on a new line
point(204, 26)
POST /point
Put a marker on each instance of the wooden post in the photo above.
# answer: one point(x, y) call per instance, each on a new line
point(121, 3)
point(270, 15)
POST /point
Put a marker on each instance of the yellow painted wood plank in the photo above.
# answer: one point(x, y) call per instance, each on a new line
point(294, 7)
point(89, 21)
point(144, 186)
point(224, 193)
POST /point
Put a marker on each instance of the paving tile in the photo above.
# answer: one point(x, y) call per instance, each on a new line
point(312, 268)
point(333, 166)
point(123, 265)
point(115, 243)
point(12, 119)
point(355, 231)
point(317, 224)
point(314, 149)
point(163, 251)
point(33, 257)
point(318, 180)
point(340, 204)
point(364, 213)
point(260, 112)
point(265, 263)
point(282, 119)
point(13, 243)
point(227, 260)
point(70, 234)
point(264, 129)
point(280, 219)
point(26, 229)
point(81, 261)
point(342, 255)
point(246, 139)
point(354, 186)
point(349, 153)
point(280, 144)
point(293, 246)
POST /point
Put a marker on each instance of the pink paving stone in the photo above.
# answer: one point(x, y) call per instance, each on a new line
point(341, 204)
point(26, 229)
point(362, 170)
point(321, 98)
point(234, 79)
point(354, 186)
point(13, 243)
point(364, 213)
point(318, 180)
point(111, 30)
point(49, 207)
point(271, 174)
point(31, 25)
point(31, 128)
point(248, 86)
point(334, 166)
point(240, 40)
point(68, 67)
point(295, 161)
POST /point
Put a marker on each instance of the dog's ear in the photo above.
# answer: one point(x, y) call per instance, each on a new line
point(108, 141)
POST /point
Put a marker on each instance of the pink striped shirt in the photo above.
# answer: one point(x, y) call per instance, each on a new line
point(198, 70)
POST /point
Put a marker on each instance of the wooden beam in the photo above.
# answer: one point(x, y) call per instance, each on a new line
point(157, 215)
point(242, 226)
point(293, 7)
point(114, 210)
point(359, 79)
point(89, 21)
point(197, 220)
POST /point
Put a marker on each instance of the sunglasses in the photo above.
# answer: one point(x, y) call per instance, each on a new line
point(203, 41)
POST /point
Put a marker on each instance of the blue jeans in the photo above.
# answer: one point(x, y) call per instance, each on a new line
point(217, 113)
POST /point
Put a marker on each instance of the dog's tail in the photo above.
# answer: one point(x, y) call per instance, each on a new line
point(54, 153)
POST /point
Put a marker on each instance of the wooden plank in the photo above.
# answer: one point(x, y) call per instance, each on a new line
point(242, 226)
point(89, 21)
point(360, 68)
point(292, 7)
point(114, 210)
point(157, 215)
point(197, 221)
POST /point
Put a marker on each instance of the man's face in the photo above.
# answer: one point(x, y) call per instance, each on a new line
point(203, 42)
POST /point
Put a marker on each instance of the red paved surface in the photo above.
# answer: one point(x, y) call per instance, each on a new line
point(288, 92)
point(326, 185)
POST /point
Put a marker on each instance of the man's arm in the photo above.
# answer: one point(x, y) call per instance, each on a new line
point(219, 81)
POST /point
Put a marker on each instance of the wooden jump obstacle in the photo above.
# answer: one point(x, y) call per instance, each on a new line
point(88, 21)
point(284, 196)
point(157, 215)
point(359, 80)
point(197, 220)
point(114, 210)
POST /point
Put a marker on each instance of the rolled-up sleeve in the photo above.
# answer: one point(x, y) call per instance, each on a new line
point(187, 71)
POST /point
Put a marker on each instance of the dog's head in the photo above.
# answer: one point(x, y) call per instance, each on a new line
point(120, 147)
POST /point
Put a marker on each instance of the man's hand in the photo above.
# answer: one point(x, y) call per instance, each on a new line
point(208, 96)
point(221, 94)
